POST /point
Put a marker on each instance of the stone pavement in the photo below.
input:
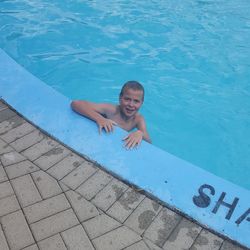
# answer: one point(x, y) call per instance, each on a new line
point(53, 198)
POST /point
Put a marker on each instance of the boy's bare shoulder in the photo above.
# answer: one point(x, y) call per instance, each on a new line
point(107, 108)
point(139, 118)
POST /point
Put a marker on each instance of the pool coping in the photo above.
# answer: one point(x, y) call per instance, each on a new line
point(206, 198)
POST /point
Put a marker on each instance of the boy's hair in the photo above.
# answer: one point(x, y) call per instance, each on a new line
point(132, 85)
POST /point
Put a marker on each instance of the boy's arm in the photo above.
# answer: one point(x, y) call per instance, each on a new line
point(134, 139)
point(95, 112)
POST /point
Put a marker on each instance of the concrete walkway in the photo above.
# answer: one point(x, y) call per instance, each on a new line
point(53, 198)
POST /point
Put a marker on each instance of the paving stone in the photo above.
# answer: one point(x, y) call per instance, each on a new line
point(230, 246)
point(4, 147)
point(16, 230)
point(76, 239)
point(79, 175)
point(3, 176)
point(183, 236)
point(65, 166)
point(46, 184)
point(143, 215)
point(112, 192)
point(11, 158)
point(151, 245)
point(138, 246)
point(17, 132)
point(3, 106)
point(162, 226)
point(13, 122)
point(39, 149)
point(6, 114)
point(5, 189)
point(63, 186)
point(46, 208)
point(8, 205)
point(27, 140)
point(32, 247)
point(116, 239)
point(53, 243)
point(52, 157)
point(3, 241)
point(122, 208)
point(94, 184)
point(83, 208)
point(54, 224)
point(100, 225)
point(21, 168)
point(207, 241)
point(26, 190)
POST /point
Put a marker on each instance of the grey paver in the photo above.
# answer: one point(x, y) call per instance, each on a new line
point(11, 158)
point(83, 208)
point(5, 114)
point(112, 192)
point(27, 140)
point(2, 106)
point(65, 166)
point(143, 215)
point(21, 168)
point(63, 186)
point(13, 122)
point(94, 184)
point(138, 246)
point(32, 247)
point(207, 241)
point(160, 229)
point(151, 245)
point(122, 208)
point(17, 132)
point(4, 147)
point(100, 225)
point(54, 224)
point(26, 190)
point(52, 157)
point(3, 176)
point(76, 239)
point(183, 236)
point(116, 239)
point(16, 230)
point(79, 175)
point(46, 208)
point(46, 184)
point(230, 246)
point(8, 205)
point(53, 243)
point(3, 241)
point(5, 189)
point(39, 149)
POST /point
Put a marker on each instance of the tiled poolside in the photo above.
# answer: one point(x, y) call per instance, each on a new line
point(53, 198)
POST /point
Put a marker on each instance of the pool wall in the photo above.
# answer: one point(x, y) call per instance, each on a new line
point(208, 199)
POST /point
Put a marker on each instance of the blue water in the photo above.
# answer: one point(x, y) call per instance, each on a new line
point(192, 57)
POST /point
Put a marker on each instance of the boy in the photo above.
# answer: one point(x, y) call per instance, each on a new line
point(125, 115)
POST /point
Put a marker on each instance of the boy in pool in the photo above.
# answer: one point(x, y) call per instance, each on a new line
point(125, 115)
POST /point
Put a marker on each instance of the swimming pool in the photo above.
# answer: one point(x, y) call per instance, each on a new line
point(192, 58)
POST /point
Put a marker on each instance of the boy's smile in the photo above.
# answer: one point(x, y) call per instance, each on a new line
point(130, 102)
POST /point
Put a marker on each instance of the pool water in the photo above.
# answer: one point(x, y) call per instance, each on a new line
point(191, 56)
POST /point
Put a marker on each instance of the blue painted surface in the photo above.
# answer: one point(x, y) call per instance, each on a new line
point(167, 177)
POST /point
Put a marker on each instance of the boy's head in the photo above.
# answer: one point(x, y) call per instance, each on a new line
point(134, 85)
point(131, 98)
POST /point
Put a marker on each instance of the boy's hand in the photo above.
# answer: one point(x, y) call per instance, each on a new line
point(106, 124)
point(133, 140)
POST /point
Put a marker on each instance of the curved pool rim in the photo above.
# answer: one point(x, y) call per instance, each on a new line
point(212, 201)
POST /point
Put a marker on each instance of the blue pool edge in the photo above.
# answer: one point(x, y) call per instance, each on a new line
point(214, 202)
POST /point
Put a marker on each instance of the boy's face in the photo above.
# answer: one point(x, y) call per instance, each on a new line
point(131, 101)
